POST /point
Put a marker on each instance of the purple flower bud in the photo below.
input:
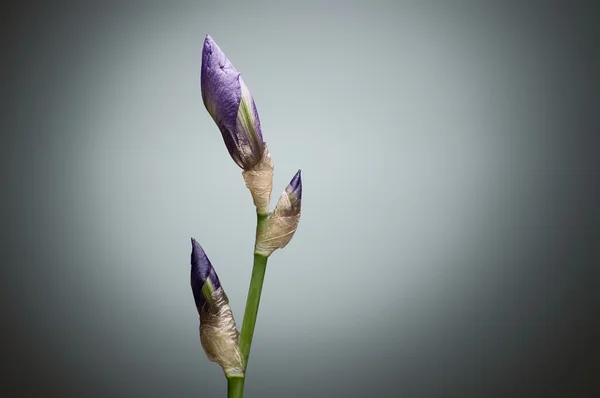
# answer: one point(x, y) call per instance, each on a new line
point(218, 334)
point(294, 189)
point(204, 279)
point(283, 221)
point(229, 102)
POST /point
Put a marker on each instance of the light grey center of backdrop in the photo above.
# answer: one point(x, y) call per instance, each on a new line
point(438, 186)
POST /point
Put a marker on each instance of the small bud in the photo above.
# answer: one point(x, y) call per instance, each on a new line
point(282, 223)
point(218, 334)
point(259, 180)
point(230, 103)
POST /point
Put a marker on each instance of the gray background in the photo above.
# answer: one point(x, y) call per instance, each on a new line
point(450, 212)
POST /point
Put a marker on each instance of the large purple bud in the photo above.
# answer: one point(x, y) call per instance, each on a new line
point(230, 103)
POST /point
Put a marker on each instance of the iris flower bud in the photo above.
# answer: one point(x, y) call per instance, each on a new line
point(229, 102)
point(282, 223)
point(218, 334)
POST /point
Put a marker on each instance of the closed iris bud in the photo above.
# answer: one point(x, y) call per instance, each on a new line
point(283, 222)
point(218, 334)
point(230, 103)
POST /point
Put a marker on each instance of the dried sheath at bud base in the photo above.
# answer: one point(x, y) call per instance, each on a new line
point(282, 223)
point(218, 334)
point(259, 180)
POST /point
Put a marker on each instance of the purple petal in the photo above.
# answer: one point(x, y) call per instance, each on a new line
point(294, 189)
point(249, 130)
point(222, 90)
point(202, 271)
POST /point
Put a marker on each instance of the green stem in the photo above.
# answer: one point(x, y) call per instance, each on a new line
point(253, 301)
point(235, 387)
point(256, 283)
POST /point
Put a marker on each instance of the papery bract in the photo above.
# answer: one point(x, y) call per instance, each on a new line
point(282, 223)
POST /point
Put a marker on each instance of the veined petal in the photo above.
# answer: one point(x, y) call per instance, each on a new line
point(250, 140)
point(204, 279)
point(229, 102)
point(294, 189)
point(221, 91)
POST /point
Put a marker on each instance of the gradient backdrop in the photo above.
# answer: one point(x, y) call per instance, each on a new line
point(450, 224)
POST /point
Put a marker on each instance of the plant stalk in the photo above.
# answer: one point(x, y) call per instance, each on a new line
point(252, 303)
point(235, 386)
